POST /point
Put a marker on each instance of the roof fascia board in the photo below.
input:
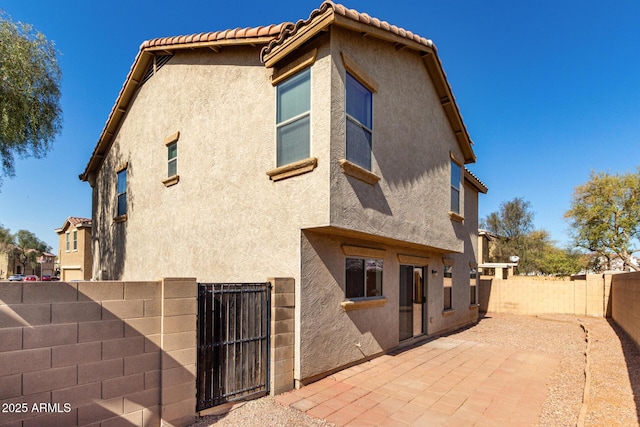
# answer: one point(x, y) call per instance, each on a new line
point(253, 41)
point(448, 102)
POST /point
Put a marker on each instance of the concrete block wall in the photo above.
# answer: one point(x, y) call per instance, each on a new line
point(282, 335)
point(532, 295)
point(97, 353)
point(625, 303)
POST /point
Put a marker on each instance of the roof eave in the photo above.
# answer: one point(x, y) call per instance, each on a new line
point(133, 81)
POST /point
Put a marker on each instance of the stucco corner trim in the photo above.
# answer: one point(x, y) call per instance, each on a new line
point(350, 305)
point(360, 251)
point(293, 169)
point(121, 218)
point(456, 217)
point(358, 172)
point(172, 180)
point(448, 313)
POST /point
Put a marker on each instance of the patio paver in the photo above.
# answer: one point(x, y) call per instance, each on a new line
point(443, 382)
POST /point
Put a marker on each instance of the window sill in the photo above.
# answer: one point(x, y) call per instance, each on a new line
point(456, 217)
point(172, 180)
point(474, 306)
point(293, 169)
point(121, 218)
point(359, 304)
point(358, 172)
point(448, 312)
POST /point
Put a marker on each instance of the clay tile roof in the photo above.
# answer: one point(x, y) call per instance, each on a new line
point(481, 186)
point(290, 29)
point(76, 220)
point(229, 34)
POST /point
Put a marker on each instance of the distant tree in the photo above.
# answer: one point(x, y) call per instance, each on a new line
point(28, 248)
point(605, 216)
point(6, 240)
point(512, 224)
point(30, 113)
point(562, 262)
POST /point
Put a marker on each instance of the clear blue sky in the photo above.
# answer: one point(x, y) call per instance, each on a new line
point(549, 90)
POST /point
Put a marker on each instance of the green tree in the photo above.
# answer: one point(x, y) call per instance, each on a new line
point(605, 216)
point(28, 248)
point(30, 113)
point(6, 240)
point(513, 224)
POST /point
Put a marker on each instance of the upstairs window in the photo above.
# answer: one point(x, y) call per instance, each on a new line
point(455, 187)
point(75, 240)
point(67, 237)
point(122, 193)
point(172, 158)
point(359, 122)
point(293, 118)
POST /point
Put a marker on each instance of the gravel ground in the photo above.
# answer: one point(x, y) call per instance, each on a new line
point(614, 366)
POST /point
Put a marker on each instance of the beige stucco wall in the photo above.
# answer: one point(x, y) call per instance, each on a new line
point(225, 220)
point(349, 336)
point(412, 141)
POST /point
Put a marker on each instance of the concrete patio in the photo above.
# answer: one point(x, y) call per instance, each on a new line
point(454, 381)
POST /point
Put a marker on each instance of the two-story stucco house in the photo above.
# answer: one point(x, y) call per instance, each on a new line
point(330, 151)
point(74, 250)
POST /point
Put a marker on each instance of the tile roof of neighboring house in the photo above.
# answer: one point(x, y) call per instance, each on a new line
point(74, 221)
point(278, 39)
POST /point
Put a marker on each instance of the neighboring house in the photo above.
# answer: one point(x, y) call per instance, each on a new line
point(330, 151)
point(74, 250)
point(10, 264)
point(46, 263)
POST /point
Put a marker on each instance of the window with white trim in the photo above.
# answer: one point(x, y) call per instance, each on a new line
point(68, 241)
point(75, 240)
point(293, 118)
point(359, 122)
point(363, 277)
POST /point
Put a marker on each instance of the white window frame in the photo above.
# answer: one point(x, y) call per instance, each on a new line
point(171, 160)
point(355, 121)
point(364, 277)
point(456, 209)
point(279, 125)
point(75, 240)
point(122, 212)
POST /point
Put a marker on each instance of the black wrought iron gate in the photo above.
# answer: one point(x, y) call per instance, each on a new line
point(233, 342)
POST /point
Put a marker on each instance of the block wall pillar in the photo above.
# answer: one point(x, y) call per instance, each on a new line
point(282, 335)
point(179, 351)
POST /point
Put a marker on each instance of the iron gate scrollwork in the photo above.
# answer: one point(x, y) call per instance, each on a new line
point(233, 342)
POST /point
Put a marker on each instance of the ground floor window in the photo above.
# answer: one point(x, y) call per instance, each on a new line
point(473, 285)
point(448, 284)
point(363, 277)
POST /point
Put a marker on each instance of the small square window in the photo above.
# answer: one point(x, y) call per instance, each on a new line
point(363, 278)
